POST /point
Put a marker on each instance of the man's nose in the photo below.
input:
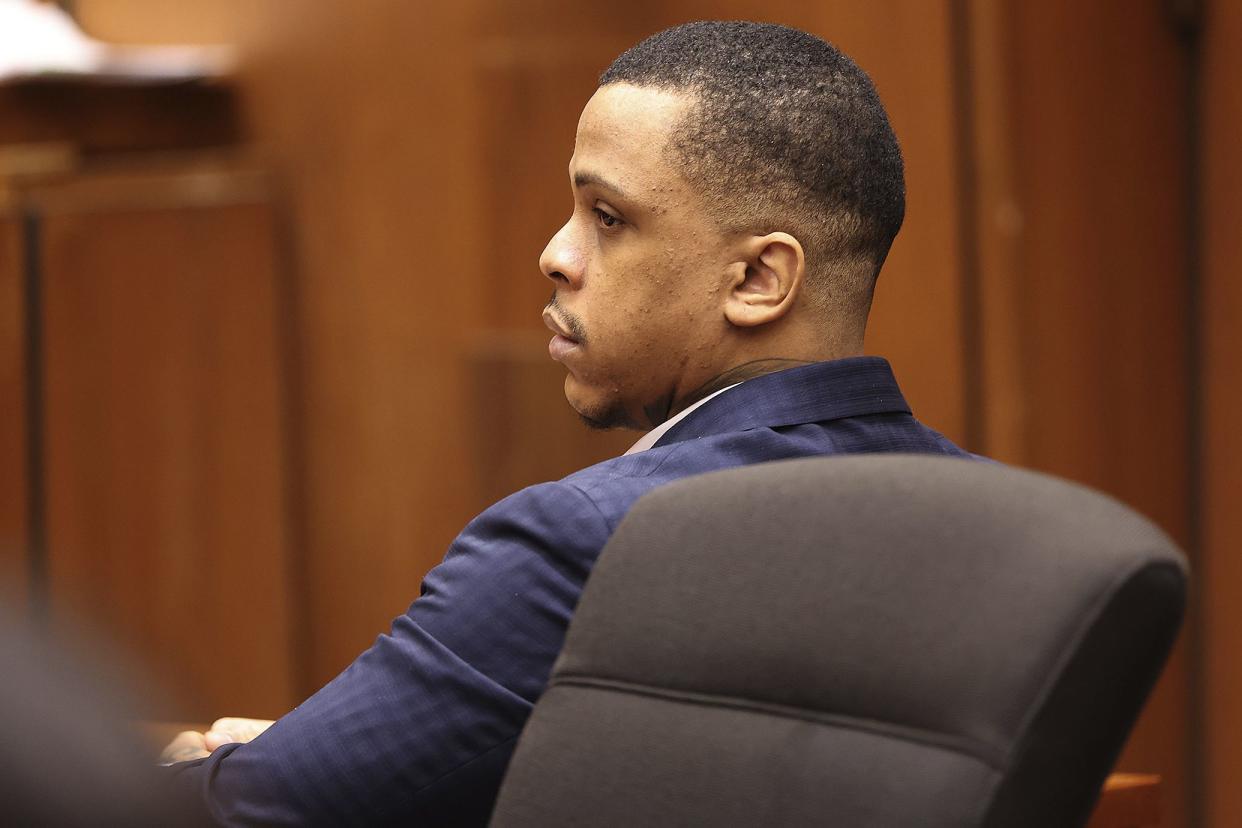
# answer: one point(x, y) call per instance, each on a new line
point(561, 260)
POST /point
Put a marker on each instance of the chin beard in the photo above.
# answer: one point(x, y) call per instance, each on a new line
point(607, 419)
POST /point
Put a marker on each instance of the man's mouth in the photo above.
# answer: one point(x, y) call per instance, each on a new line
point(563, 341)
point(555, 326)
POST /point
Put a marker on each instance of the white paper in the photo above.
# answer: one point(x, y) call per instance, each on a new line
point(39, 40)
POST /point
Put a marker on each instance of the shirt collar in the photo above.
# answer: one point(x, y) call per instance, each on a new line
point(651, 437)
point(815, 393)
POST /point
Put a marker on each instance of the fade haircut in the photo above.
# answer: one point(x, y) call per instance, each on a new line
point(784, 133)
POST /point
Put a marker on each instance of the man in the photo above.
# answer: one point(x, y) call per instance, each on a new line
point(736, 189)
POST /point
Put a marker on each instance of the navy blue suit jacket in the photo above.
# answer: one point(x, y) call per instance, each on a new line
point(420, 727)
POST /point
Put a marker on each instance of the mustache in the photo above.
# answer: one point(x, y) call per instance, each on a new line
point(572, 323)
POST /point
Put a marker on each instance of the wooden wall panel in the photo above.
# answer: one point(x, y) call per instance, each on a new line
point(519, 392)
point(14, 548)
point(1085, 294)
point(165, 452)
point(918, 319)
point(1220, 569)
point(994, 207)
point(369, 119)
point(382, 173)
point(534, 69)
point(537, 102)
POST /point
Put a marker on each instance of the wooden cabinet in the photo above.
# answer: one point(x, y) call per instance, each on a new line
point(14, 505)
point(146, 442)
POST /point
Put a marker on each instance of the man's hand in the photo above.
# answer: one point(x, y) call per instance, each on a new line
point(188, 744)
point(230, 730)
point(191, 744)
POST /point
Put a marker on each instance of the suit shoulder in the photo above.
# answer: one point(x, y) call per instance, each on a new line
point(603, 492)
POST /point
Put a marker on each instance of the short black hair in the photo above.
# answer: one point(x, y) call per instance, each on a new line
point(785, 133)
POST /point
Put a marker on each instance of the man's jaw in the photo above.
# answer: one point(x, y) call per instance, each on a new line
point(604, 417)
point(569, 337)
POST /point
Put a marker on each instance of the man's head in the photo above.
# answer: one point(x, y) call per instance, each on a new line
point(737, 187)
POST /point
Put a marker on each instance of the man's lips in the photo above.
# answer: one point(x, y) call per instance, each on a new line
point(562, 342)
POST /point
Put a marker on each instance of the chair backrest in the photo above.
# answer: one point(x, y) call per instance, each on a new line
point(852, 641)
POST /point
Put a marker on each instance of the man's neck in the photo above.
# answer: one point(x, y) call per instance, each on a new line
point(732, 376)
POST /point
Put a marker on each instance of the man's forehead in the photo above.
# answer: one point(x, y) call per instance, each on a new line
point(620, 105)
point(622, 134)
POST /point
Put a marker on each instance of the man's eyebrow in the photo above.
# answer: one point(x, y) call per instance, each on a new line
point(585, 179)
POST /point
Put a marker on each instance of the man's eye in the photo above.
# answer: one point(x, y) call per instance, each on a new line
point(606, 219)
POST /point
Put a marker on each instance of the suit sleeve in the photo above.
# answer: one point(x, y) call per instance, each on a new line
point(420, 727)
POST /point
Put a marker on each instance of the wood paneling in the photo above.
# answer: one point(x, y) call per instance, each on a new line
point(534, 69)
point(533, 95)
point(118, 116)
point(917, 320)
point(382, 170)
point(518, 392)
point(370, 118)
point(993, 207)
point(1220, 570)
point(165, 457)
point(1083, 250)
point(14, 548)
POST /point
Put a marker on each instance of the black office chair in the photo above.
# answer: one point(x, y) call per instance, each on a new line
point(853, 641)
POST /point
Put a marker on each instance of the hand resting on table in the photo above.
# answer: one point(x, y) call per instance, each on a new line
point(191, 744)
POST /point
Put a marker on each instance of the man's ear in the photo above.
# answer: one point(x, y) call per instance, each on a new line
point(767, 280)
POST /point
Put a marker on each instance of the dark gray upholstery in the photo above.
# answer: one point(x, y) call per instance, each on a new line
point(852, 641)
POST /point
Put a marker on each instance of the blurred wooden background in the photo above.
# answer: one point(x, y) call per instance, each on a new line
point(361, 364)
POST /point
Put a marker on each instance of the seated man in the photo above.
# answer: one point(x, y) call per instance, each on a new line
point(736, 188)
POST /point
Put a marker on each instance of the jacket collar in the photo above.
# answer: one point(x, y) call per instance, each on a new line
point(815, 393)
